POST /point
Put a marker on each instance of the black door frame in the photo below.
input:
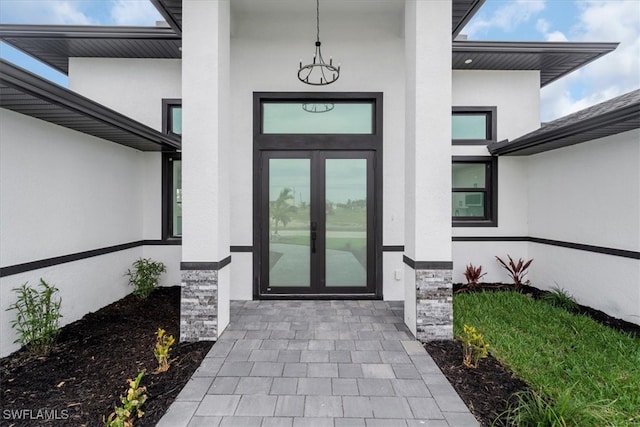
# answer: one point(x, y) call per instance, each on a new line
point(312, 142)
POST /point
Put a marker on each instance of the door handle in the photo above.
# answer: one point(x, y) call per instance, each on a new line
point(314, 236)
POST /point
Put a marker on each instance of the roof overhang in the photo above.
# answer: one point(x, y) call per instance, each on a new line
point(552, 59)
point(462, 11)
point(26, 93)
point(55, 44)
point(611, 117)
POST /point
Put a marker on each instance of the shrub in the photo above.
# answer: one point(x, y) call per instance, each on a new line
point(145, 276)
point(473, 347)
point(162, 349)
point(533, 409)
point(125, 415)
point(516, 271)
point(37, 319)
point(473, 275)
point(560, 298)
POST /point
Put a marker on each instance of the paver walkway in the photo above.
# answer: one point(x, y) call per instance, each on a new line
point(317, 363)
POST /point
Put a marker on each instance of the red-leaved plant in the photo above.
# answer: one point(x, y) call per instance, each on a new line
point(517, 271)
point(473, 276)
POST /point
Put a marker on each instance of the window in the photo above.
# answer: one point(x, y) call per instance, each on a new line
point(172, 173)
point(473, 125)
point(172, 116)
point(474, 198)
point(317, 117)
point(172, 196)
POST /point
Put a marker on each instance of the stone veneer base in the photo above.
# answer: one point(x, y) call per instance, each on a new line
point(199, 305)
point(434, 305)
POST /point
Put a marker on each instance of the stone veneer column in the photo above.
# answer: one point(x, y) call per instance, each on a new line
point(199, 305)
point(428, 252)
point(434, 305)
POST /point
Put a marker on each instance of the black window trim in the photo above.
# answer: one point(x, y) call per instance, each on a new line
point(167, 199)
point(491, 114)
point(167, 173)
point(491, 191)
point(167, 104)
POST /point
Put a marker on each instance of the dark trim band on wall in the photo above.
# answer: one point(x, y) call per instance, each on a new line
point(396, 248)
point(215, 265)
point(50, 262)
point(241, 249)
point(569, 245)
point(427, 265)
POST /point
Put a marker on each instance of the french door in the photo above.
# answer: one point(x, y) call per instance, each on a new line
point(316, 222)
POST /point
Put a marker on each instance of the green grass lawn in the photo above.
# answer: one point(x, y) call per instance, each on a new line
point(555, 351)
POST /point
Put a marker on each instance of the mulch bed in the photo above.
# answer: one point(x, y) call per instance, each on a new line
point(84, 376)
point(487, 389)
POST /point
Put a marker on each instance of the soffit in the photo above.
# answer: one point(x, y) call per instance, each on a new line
point(462, 10)
point(620, 114)
point(26, 93)
point(55, 44)
point(552, 59)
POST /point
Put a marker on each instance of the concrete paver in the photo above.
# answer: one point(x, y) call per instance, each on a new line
point(317, 363)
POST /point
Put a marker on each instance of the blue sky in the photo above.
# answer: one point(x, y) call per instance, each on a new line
point(521, 20)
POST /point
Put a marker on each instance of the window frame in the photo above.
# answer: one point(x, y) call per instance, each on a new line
point(167, 105)
point(167, 195)
point(167, 172)
point(490, 191)
point(491, 114)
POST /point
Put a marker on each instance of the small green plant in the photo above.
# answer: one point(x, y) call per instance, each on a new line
point(125, 415)
point(517, 271)
point(37, 318)
point(145, 276)
point(560, 298)
point(473, 276)
point(162, 349)
point(473, 347)
point(533, 409)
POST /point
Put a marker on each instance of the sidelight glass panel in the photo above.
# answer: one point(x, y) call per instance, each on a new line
point(176, 203)
point(468, 204)
point(289, 222)
point(346, 222)
point(316, 117)
point(176, 120)
point(469, 175)
point(469, 126)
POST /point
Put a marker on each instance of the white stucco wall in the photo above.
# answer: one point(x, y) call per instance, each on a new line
point(63, 192)
point(133, 87)
point(589, 194)
point(515, 94)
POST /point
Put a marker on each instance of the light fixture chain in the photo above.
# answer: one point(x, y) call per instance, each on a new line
point(317, 20)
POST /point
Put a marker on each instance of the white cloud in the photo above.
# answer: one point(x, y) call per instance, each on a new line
point(134, 12)
point(43, 12)
point(507, 17)
point(612, 75)
point(543, 26)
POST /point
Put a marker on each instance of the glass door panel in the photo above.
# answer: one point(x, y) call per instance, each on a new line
point(289, 223)
point(346, 222)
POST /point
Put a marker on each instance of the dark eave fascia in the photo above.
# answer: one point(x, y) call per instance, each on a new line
point(540, 141)
point(470, 14)
point(34, 85)
point(168, 16)
point(599, 49)
point(86, 32)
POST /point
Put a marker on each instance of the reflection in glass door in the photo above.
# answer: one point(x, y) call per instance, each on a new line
point(317, 235)
point(346, 222)
point(289, 222)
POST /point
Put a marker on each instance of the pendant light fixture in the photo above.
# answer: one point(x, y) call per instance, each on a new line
point(318, 73)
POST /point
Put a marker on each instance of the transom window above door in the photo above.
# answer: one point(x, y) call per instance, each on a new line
point(317, 117)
